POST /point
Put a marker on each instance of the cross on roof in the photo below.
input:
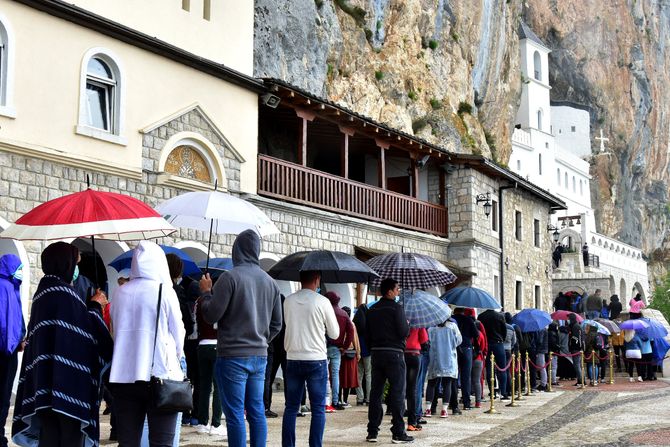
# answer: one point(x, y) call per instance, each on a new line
point(602, 141)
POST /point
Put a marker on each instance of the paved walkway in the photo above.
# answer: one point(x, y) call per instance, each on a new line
point(620, 415)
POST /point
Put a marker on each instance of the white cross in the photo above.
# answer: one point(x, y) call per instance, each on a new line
point(602, 141)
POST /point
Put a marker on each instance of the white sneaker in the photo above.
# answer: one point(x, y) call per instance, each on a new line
point(218, 431)
point(630, 379)
point(202, 428)
point(639, 378)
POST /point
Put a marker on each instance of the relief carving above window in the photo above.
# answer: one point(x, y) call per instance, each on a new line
point(186, 162)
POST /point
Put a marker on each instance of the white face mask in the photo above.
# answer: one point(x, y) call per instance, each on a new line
point(179, 280)
point(18, 274)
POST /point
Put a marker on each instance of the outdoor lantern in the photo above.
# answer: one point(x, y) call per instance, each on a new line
point(556, 236)
point(486, 198)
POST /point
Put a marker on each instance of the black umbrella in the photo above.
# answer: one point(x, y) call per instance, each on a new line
point(335, 267)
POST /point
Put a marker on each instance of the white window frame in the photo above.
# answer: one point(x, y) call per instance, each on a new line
point(116, 103)
point(7, 49)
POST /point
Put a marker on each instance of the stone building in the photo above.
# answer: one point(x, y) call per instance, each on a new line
point(157, 116)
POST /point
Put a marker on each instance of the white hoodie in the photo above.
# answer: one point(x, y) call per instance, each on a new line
point(133, 312)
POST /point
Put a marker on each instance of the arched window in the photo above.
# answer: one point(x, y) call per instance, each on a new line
point(574, 184)
point(6, 69)
point(537, 66)
point(558, 176)
point(539, 119)
point(539, 163)
point(190, 161)
point(101, 96)
point(567, 186)
point(581, 188)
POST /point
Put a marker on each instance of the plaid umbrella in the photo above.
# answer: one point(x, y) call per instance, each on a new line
point(609, 324)
point(411, 270)
point(425, 310)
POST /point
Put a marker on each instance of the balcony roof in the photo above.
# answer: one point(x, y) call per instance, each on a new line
point(345, 117)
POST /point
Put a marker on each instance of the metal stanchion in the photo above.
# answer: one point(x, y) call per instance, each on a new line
point(518, 376)
point(527, 377)
point(594, 379)
point(583, 368)
point(611, 352)
point(549, 379)
point(491, 409)
point(512, 402)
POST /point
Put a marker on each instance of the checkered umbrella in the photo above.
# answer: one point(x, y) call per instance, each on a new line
point(425, 310)
point(411, 270)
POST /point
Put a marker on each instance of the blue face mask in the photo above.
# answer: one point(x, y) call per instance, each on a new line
point(75, 275)
point(318, 290)
point(18, 274)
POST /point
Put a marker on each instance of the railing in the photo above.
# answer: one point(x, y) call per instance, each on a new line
point(594, 260)
point(294, 183)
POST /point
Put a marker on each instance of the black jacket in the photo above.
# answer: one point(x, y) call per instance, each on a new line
point(494, 325)
point(615, 310)
point(468, 329)
point(386, 326)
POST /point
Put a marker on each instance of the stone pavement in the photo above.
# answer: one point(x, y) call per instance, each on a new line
point(620, 415)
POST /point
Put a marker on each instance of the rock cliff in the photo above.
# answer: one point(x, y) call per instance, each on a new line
point(448, 71)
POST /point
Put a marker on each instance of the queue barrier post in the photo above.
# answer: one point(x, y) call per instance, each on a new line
point(527, 393)
point(512, 402)
point(518, 377)
point(581, 354)
point(551, 356)
point(492, 409)
point(611, 353)
point(594, 379)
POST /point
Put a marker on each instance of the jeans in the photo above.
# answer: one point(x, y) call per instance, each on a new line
point(387, 365)
point(132, 403)
point(465, 371)
point(539, 361)
point(241, 381)
point(449, 393)
point(421, 382)
point(334, 361)
point(592, 314)
point(315, 374)
point(177, 432)
point(476, 379)
point(620, 354)
point(554, 367)
point(412, 363)
point(593, 376)
point(577, 364)
point(275, 360)
point(8, 365)
point(497, 349)
point(206, 362)
point(364, 378)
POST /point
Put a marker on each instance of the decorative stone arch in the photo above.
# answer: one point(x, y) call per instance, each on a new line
point(637, 288)
point(574, 235)
point(267, 260)
point(593, 240)
point(616, 250)
point(196, 250)
point(577, 289)
point(623, 292)
point(600, 242)
point(540, 119)
point(189, 160)
point(606, 246)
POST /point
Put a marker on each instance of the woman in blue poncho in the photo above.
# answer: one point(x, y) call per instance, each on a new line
point(67, 348)
point(12, 331)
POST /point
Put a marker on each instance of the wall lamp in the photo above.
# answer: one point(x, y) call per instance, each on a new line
point(486, 198)
point(555, 234)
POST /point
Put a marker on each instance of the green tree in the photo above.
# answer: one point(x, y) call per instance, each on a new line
point(661, 297)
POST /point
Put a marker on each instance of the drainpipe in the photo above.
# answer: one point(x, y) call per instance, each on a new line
point(501, 238)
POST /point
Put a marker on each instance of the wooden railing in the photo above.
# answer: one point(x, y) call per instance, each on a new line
point(295, 183)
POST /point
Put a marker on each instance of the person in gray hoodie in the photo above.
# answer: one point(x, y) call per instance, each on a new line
point(246, 307)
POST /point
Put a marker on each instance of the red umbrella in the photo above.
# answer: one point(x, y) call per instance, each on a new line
point(563, 315)
point(105, 215)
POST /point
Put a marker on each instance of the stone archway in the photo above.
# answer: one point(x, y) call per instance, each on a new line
point(637, 288)
point(623, 292)
point(577, 289)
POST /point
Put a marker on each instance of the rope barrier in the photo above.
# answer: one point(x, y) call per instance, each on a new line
point(538, 367)
point(506, 367)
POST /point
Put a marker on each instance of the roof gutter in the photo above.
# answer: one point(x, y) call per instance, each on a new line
point(87, 19)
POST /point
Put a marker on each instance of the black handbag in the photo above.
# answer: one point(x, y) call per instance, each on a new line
point(170, 396)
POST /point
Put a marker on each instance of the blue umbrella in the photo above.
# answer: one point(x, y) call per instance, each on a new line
point(224, 264)
point(425, 310)
point(635, 324)
point(600, 327)
point(470, 297)
point(655, 329)
point(531, 320)
point(190, 269)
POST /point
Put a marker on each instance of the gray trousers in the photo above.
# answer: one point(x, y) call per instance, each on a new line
point(364, 374)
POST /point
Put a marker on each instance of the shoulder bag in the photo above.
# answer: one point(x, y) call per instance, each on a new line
point(169, 396)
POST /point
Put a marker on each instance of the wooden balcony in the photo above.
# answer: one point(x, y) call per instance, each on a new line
point(299, 184)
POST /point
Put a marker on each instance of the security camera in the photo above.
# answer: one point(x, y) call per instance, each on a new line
point(270, 100)
point(421, 163)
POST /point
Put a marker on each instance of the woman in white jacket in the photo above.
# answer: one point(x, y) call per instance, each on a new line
point(133, 314)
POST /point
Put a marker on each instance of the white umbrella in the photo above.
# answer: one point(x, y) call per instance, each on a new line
point(216, 212)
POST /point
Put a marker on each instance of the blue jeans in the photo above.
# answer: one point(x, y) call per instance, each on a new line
point(334, 361)
point(498, 350)
point(315, 373)
point(421, 382)
point(241, 381)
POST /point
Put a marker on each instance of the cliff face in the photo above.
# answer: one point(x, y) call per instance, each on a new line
point(448, 71)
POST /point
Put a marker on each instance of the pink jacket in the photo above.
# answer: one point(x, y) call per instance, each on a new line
point(636, 306)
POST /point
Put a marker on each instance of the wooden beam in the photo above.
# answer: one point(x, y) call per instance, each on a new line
point(302, 141)
point(443, 186)
point(344, 155)
point(381, 168)
point(415, 176)
point(305, 114)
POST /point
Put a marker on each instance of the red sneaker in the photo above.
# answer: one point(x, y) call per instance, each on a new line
point(330, 409)
point(478, 405)
point(428, 413)
point(443, 414)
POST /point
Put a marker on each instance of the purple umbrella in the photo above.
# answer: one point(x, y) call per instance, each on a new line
point(634, 325)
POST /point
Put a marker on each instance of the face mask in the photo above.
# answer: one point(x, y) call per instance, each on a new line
point(75, 275)
point(18, 274)
point(178, 281)
point(318, 290)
